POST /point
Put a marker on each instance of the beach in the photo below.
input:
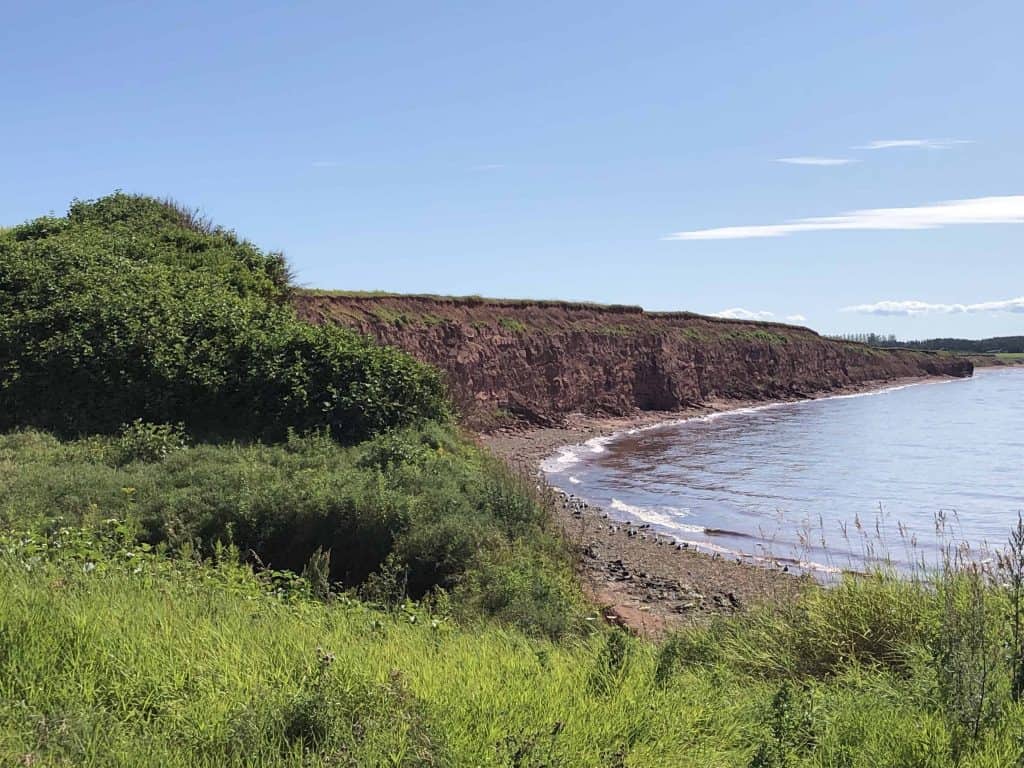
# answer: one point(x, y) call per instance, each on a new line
point(647, 582)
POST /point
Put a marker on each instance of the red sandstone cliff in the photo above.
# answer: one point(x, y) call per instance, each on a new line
point(541, 360)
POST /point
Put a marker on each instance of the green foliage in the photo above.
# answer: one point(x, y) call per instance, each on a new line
point(1002, 345)
point(759, 335)
point(391, 317)
point(528, 585)
point(112, 654)
point(511, 324)
point(429, 320)
point(318, 573)
point(791, 721)
point(132, 308)
point(874, 621)
point(616, 329)
point(686, 650)
point(695, 334)
point(141, 441)
point(410, 511)
point(611, 665)
point(968, 653)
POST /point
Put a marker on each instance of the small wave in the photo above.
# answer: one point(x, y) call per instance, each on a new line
point(568, 455)
point(793, 563)
point(622, 506)
point(802, 565)
point(810, 565)
point(663, 517)
point(727, 532)
point(712, 549)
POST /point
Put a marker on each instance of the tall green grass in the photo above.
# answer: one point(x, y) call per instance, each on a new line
point(402, 515)
point(114, 656)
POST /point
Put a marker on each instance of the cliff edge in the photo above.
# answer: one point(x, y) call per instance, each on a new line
point(539, 360)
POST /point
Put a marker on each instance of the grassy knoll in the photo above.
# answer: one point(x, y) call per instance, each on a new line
point(134, 308)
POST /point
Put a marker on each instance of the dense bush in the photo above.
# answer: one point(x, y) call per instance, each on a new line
point(132, 308)
point(419, 508)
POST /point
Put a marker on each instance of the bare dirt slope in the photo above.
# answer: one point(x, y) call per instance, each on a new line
point(539, 361)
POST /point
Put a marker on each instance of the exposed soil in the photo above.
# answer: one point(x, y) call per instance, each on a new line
point(507, 361)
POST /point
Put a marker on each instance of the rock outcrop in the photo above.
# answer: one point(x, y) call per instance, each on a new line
point(541, 360)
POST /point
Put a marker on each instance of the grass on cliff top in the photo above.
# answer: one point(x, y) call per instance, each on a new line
point(475, 300)
point(111, 655)
point(701, 326)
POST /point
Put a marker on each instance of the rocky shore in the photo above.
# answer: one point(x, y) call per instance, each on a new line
point(651, 584)
point(645, 581)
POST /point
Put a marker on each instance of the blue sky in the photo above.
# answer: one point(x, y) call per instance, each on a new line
point(553, 150)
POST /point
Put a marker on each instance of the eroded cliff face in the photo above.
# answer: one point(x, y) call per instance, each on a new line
point(541, 360)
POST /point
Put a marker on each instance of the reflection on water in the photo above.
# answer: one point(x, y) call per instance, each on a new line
point(834, 481)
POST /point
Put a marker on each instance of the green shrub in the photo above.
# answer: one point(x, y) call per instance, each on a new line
point(511, 324)
point(141, 441)
point(684, 650)
point(792, 723)
point(969, 654)
point(402, 515)
point(524, 586)
point(128, 308)
point(612, 664)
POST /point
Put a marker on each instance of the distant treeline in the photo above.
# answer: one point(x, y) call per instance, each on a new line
point(996, 344)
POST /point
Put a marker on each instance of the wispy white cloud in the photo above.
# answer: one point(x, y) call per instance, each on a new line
point(796, 319)
point(815, 160)
point(738, 313)
point(913, 143)
point(489, 167)
point(1008, 209)
point(908, 308)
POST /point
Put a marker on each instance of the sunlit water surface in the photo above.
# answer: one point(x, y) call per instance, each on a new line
point(829, 483)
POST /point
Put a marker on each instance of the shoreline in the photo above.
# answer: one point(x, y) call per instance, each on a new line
point(646, 582)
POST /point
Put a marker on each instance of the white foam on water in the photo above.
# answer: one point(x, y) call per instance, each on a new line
point(568, 455)
point(664, 517)
point(667, 517)
point(801, 566)
point(810, 565)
